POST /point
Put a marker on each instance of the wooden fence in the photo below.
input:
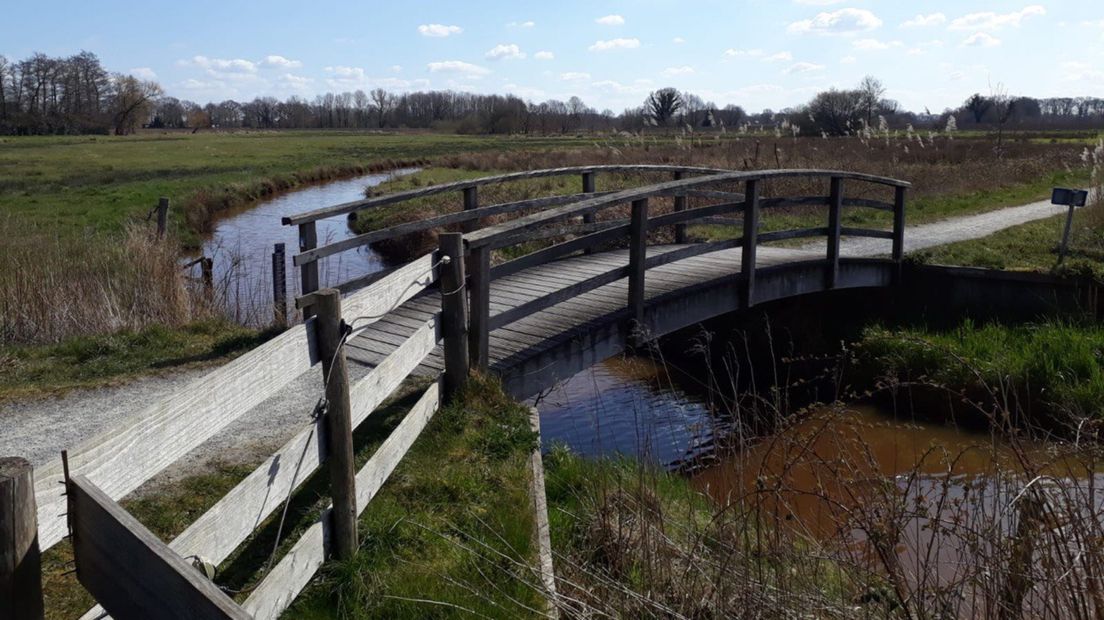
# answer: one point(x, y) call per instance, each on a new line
point(134, 575)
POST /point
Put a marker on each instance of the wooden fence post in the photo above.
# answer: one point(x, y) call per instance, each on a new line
point(638, 250)
point(454, 312)
point(588, 188)
point(680, 205)
point(162, 216)
point(899, 228)
point(339, 429)
point(749, 242)
point(479, 295)
point(207, 273)
point(471, 201)
point(308, 272)
point(279, 285)
point(835, 213)
point(20, 562)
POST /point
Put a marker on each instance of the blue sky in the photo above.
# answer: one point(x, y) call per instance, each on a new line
point(754, 53)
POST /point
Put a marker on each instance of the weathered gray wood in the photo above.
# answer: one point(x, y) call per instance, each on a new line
point(288, 578)
point(279, 285)
point(542, 537)
point(750, 244)
point(540, 303)
point(680, 205)
point(162, 216)
point(479, 305)
point(869, 204)
point(898, 251)
point(638, 254)
point(588, 188)
point(132, 573)
point(866, 232)
point(20, 559)
point(796, 233)
point(454, 312)
point(207, 274)
point(339, 426)
point(471, 203)
point(835, 213)
point(550, 253)
point(308, 272)
point(696, 213)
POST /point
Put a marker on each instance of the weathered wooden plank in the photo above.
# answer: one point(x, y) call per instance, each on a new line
point(750, 244)
point(866, 232)
point(870, 204)
point(227, 524)
point(638, 254)
point(294, 571)
point(687, 215)
point(835, 213)
point(20, 559)
point(796, 233)
point(545, 255)
point(133, 574)
point(479, 305)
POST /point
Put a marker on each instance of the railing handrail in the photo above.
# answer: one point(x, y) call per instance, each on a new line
point(487, 236)
point(444, 188)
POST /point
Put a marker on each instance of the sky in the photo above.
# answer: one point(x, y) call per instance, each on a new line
point(754, 53)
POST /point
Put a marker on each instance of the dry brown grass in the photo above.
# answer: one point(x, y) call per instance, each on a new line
point(56, 287)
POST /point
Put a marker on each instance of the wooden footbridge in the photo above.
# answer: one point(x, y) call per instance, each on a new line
point(532, 290)
point(597, 284)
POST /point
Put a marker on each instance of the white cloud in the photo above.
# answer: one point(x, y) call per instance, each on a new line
point(525, 24)
point(544, 55)
point(1075, 71)
point(458, 67)
point(803, 67)
point(615, 44)
point(143, 73)
point(676, 71)
point(989, 20)
point(279, 61)
point(504, 52)
point(396, 68)
point(438, 30)
point(842, 22)
point(291, 81)
point(610, 20)
point(234, 65)
point(871, 45)
point(779, 57)
point(734, 53)
point(921, 21)
point(817, 2)
point(572, 76)
point(981, 39)
point(678, 40)
point(848, 60)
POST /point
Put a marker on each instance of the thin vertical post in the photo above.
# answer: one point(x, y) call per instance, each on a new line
point(454, 312)
point(835, 213)
point(899, 229)
point(588, 188)
point(279, 285)
point(1065, 235)
point(680, 205)
point(308, 272)
point(162, 216)
point(479, 297)
point(338, 420)
point(749, 243)
point(207, 273)
point(471, 201)
point(638, 250)
point(20, 559)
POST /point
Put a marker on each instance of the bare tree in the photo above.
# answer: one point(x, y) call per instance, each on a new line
point(133, 101)
point(383, 102)
point(978, 106)
point(871, 91)
point(663, 104)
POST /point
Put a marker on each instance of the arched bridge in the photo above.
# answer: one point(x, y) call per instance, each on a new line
point(555, 284)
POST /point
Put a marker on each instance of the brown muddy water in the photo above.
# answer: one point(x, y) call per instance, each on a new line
point(834, 477)
point(243, 241)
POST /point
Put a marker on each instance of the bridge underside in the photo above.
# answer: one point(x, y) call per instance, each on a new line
point(538, 350)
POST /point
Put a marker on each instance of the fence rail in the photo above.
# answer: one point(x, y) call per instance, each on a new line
point(108, 466)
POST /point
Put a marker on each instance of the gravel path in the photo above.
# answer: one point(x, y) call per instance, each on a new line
point(39, 429)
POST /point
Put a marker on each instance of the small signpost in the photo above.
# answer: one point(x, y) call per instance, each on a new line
point(1071, 198)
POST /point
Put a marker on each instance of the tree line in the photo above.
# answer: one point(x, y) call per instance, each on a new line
point(44, 95)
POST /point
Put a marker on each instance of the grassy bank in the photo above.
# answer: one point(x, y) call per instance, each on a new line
point(1049, 370)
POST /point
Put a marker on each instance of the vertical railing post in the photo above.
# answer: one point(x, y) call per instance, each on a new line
point(479, 298)
point(749, 243)
point(330, 332)
point(899, 229)
point(588, 188)
point(835, 213)
point(162, 216)
point(207, 274)
point(454, 312)
point(308, 272)
point(638, 249)
point(20, 560)
point(680, 205)
point(279, 285)
point(471, 201)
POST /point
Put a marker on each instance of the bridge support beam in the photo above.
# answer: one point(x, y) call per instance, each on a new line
point(454, 312)
point(748, 243)
point(680, 205)
point(479, 304)
point(308, 272)
point(835, 212)
point(638, 250)
point(588, 188)
point(898, 252)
